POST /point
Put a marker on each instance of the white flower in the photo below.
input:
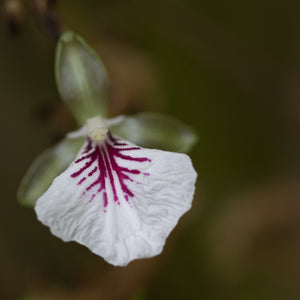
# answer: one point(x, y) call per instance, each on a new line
point(119, 200)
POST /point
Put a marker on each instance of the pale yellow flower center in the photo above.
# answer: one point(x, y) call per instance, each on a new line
point(96, 128)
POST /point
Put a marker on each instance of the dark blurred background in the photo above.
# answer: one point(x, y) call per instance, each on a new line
point(230, 69)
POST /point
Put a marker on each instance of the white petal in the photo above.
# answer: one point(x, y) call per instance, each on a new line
point(81, 132)
point(114, 121)
point(119, 200)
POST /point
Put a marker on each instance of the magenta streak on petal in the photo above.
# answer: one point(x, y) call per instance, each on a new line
point(81, 180)
point(88, 147)
point(116, 143)
point(105, 201)
point(93, 171)
point(107, 169)
point(110, 175)
point(141, 159)
point(93, 196)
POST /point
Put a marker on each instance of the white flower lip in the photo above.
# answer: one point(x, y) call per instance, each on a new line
point(119, 200)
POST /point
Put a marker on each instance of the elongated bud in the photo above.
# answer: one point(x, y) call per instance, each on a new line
point(96, 128)
point(81, 77)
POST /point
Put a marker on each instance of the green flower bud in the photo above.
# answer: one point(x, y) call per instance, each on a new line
point(81, 77)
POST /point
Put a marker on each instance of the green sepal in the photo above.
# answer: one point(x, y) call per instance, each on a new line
point(81, 77)
point(47, 166)
point(153, 130)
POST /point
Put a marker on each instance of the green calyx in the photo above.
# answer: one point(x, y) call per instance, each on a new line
point(81, 77)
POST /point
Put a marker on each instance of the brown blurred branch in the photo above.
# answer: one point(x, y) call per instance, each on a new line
point(13, 12)
point(43, 11)
point(47, 17)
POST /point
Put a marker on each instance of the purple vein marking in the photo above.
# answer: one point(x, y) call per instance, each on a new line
point(107, 168)
point(81, 180)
